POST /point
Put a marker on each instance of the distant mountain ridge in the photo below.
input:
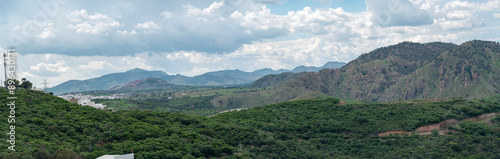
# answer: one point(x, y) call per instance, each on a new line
point(216, 78)
point(108, 81)
point(399, 72)
point(147, 83)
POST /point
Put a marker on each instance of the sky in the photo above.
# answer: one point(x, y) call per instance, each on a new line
point(60, 40)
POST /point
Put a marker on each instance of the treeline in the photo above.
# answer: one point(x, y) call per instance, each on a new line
point(50, 127)
point(188, 105)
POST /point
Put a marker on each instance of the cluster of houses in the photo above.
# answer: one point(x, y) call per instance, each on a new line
point(86, 100)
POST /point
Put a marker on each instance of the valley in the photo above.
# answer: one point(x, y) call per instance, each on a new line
point(250, 79)
point(409, 100)
point(399, 72)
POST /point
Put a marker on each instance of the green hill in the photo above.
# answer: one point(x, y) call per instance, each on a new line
point(400, 72)
point(50, 127)
point(274, 79)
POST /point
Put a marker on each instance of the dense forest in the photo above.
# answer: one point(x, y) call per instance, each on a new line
point(50, 127)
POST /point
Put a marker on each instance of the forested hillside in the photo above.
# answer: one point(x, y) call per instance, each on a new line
point(400, 72)
point(50, 127)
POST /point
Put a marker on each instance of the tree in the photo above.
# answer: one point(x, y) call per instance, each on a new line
point(16, 83)
point(64, 154)
point(188, 156)
point(26, 84)
point(41, 155)
point(435, 132)
point(497, 119)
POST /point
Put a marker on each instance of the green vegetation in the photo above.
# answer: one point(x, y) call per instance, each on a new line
point(274, 80)
point(52, 127)
point(405, 71)
point(47, 125)
point(194, 100)
point(188, 105)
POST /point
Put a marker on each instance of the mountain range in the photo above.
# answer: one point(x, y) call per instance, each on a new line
point(403, 71)
point(217, 78)
point(147, 83)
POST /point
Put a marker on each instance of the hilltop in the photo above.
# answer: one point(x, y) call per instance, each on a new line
point(403, 71)
point(144, 84)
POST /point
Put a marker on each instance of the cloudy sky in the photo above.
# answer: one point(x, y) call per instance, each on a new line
point(61, 40)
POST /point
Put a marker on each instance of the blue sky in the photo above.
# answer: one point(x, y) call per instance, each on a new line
point(61, 40)
point(283, 7)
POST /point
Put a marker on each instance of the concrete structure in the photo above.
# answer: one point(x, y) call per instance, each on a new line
point(99, 106)
point(126, 156)
point(73, 100)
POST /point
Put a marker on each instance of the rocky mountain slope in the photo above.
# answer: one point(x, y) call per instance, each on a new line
point(398, 72)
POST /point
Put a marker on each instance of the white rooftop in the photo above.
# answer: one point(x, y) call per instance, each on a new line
point(126, 156)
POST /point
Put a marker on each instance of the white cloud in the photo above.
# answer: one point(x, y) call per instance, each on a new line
point(167, 15)
point(148, 27)
point(50, 69)
point(27, 75)
point(96, 65)
point(397, 13)
point(125, 32)
point(47, 32)
point(496, 15)
point(191, 38)
point(91, 24)
point(457, 15)
point(490, 5)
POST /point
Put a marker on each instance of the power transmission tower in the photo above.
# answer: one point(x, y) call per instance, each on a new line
point(5, 66)
point(45, 85)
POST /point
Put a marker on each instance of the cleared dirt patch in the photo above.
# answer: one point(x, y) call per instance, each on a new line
point(442, 127)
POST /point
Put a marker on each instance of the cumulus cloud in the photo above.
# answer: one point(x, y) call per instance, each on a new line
point(50, 69)
point(96, 65)
point(47, 32)
point(192, 38)
point(397, 13)
point(91, 24)
point(460, 15)
point(125, 32)
point(148, 27)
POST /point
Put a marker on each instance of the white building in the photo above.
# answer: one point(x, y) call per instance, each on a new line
point(126, 156)
point(99, 106)
point(84, 102)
